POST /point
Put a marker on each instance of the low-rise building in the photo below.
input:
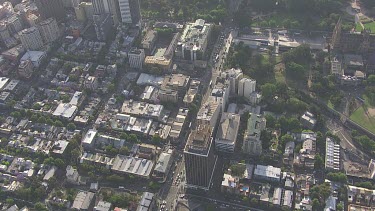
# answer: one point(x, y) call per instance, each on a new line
point(91, 83)
point(163, 165)
point(103, 206)
point(72, 175)
point(306, 156)
point(83, 201)
point(25, 69)
point(226, 135)
point(252, 144)
point(65, 111)
point(371, 168)
point(143, 109)
point(361, 196)
point(308, 120)
point(146, 203)
point(133, 166)
point(267, 173)
point(289, 153)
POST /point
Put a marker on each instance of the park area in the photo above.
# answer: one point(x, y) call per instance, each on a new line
point(365, 116)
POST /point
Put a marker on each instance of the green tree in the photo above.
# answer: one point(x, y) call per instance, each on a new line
point(71, 126)
point(133, 138)
point(268, 91)
point(340, 207)
point(124, 150)
point(9, 201)
point(238, 169)
point(156, 139)
point(58, 123)
point(16, 114)
point(42, 120)
point(319, 162)
point(123, 136)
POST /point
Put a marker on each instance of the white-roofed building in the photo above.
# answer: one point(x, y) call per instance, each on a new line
point(3, 82)
point(65, 111)
point(88, 140)
point(268, 173)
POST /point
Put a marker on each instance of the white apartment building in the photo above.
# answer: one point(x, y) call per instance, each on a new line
point(49, 30)
point(246, 87)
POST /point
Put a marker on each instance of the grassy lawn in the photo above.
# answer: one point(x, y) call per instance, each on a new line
point(358, 27)
point(360, 117)
point(370, 26)
point(279, 76)
point(330, 105)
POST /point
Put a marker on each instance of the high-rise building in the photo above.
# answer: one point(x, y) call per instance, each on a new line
point(252, 144)
point(4, 33)
point(246, 86)
point(14, 24)
point(107, 6)
point(80, 12)
point(32, 19)
point(89, 9)
point(233, 76)
point(49, 30)
point(130, 11)
point(51, 8)
point(199, 158)
point(103, 26)
point(136, 58)
point(31, 38)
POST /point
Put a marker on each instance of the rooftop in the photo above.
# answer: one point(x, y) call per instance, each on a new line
point(163, 162)
point(199, 140)
point(83, 200)
point(267, 171)
point(228, 127)
point(132, 165)
point(65, 110)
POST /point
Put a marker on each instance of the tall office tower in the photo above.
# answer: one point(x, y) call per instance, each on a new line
point(51, 8)
point(31, 38)
point(199, 158)
point(130, 11)
point(49, 30)
point(107, 6)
